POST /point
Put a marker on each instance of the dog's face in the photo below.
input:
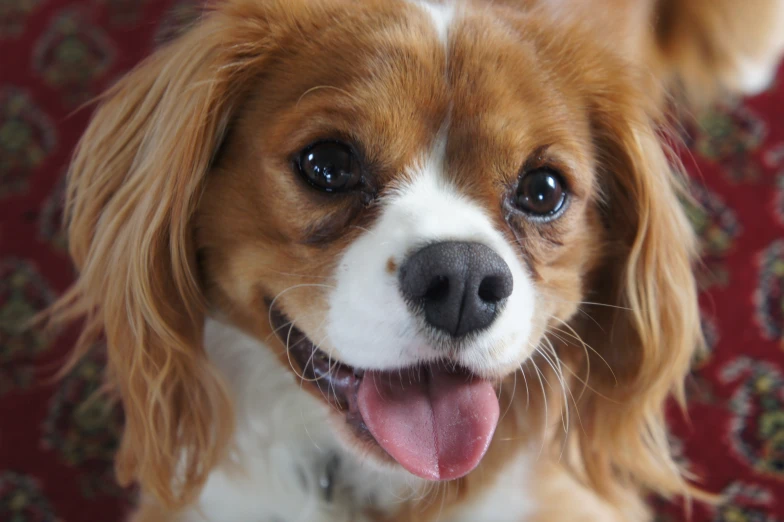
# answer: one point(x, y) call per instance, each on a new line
point(403, 198)
point(405, 201)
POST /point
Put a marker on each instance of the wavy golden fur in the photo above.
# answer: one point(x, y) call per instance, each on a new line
point(133, 187)
point(136, 192)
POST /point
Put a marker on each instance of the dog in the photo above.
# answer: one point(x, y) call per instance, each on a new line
point(402, 260)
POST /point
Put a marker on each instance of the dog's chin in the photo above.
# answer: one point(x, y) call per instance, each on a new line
point(435, 420)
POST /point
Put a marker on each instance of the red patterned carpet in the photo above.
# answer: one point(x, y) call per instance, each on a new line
point(55, 450)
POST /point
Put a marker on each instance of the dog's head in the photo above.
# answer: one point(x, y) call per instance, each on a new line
point(418, 199)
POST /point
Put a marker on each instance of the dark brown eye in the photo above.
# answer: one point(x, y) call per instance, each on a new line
point(330, 166)
point(540, 193)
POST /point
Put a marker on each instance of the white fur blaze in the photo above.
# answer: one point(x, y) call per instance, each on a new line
point(441, 15)
point(369, 324)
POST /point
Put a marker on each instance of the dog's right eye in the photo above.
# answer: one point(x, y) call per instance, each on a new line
point(331, 166)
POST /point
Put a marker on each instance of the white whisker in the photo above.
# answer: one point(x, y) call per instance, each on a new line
point(585, 345)
point(564, 411)
point(546, 415)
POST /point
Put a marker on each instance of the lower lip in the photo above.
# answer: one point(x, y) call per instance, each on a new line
point(337, 383)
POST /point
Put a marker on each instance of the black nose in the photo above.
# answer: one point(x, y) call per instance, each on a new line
point(461, 286)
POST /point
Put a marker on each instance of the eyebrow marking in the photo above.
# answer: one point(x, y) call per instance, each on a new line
point(327, 87)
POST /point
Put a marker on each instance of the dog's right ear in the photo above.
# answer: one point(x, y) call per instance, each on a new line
point(697, 51)
point(703, 50)
point(133, 188)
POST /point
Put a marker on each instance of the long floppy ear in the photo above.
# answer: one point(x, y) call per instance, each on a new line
point(704, 50)
point(133, 187)
point(649, 327)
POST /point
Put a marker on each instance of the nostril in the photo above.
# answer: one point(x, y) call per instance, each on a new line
point(493, 289)
point(438, 289)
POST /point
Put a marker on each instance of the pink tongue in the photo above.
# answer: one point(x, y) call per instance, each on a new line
point(438, 426)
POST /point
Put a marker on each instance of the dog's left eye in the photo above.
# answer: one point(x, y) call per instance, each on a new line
point(541, 193)
point(330, 166)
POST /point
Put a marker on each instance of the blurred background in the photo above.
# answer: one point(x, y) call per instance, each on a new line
point(56, 447)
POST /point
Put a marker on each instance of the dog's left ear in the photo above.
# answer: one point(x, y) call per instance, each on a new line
point(650, 324)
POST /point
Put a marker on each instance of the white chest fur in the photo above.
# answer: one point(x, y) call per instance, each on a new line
point(288, 466)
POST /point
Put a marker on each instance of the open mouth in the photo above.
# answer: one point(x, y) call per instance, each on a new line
point(435, 421)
